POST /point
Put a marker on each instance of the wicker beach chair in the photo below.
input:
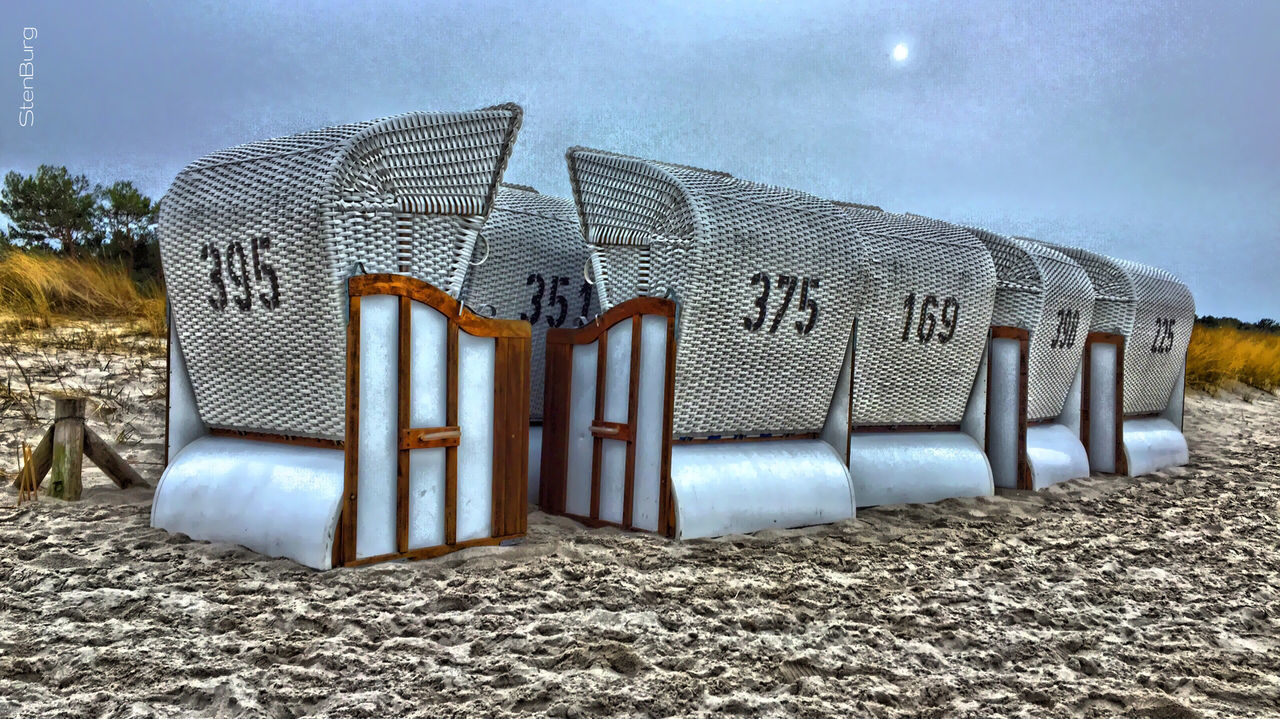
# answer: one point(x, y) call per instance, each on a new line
point(1044, 307)
point(907, 411)
point(1133, 365)
point(323, 371)
point(691, 405)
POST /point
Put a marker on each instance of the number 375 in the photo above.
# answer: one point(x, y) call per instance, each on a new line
point(786, 284)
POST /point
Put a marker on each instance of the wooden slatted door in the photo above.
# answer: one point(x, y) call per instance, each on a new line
point(437, 424)
point(606, 427)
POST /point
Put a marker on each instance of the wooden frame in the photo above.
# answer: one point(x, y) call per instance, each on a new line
point(1023, 338)
point(168, 375)
point(296, 440)
point(512, 343)
point(1121, 465)
point(556, 411)
point(717, 439)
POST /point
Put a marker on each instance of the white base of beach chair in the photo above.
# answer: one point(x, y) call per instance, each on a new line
point(1152, 444)
point(276, 499)
point(916, 467)
point(737, 487)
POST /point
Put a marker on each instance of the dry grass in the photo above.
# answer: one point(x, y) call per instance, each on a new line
point(1219, 356)
point(40, 288)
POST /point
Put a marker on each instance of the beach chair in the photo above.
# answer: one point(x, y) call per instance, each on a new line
point(692, 404)
point(330, 398)
point(908, 412)
point(1044, 307)
point(1134, 365)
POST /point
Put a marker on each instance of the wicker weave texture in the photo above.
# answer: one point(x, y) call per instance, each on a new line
point(925, 316)
point(1113, 305)
point(534, 270)
point(747, 362)
point(1154, 311)
point(1048, 294)
point(1156, 351)
point(258, 240)
point(1019, 282)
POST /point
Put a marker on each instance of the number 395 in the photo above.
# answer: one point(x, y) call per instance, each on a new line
point(237, 266)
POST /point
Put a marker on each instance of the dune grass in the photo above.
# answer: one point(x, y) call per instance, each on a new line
point(41, 288)
point(1220, 356)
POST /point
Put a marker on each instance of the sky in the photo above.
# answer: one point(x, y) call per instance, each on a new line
point(1145, 130)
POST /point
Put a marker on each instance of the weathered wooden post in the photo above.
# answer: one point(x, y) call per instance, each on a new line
point(68, 447)
point(62, 450)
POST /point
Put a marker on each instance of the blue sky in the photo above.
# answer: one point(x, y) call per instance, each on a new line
point(1147, 130)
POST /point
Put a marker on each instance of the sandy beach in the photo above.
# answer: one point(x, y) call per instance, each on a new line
point(1154, 597)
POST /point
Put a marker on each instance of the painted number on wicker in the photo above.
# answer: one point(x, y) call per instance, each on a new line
point(557, 299)
point(786, 284)
point(237, 271)
point(1068, 323)
point(1163, 342)
point(926, 328)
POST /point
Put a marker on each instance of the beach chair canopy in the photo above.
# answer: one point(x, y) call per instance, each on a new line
point(258, 242)
point(533, 270)
point(1154, 312)
point(767, 281)
point(1043, 291)
point(924, 319)
point(1113, 290)
point(1155, 355)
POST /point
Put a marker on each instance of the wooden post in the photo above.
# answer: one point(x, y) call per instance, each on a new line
point(111, 464)
point(68, 447)
point(63, 448)
point(26, 477)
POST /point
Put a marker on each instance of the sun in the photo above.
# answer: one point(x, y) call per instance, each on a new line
point(900, 52)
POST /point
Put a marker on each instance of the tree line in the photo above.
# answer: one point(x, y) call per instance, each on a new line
point(57, 212)
point(1266, 324)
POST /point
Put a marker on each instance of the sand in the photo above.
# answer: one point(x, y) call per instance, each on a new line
point(1155, 597)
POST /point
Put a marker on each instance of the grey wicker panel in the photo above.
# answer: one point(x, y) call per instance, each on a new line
point(1050, 295)
point(624, 204)
point(258, 240)
point(1154, 312)
point(1019, 282)
point(1113, 290)
point(621, 272)
point(1157, 348)
point(897, 378)
point(701, 237)
point(536, 256)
